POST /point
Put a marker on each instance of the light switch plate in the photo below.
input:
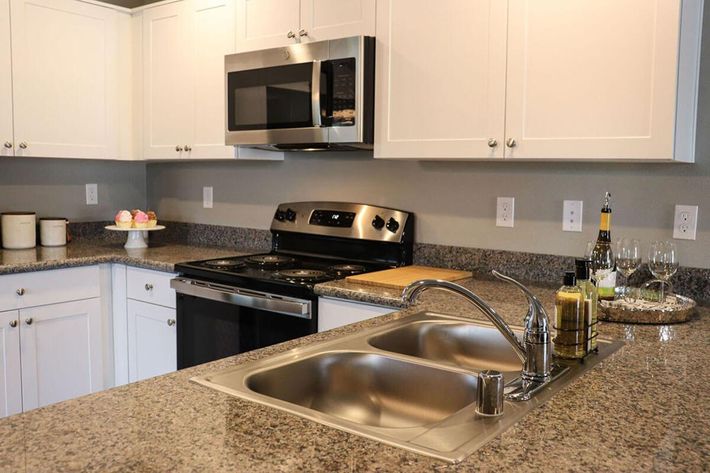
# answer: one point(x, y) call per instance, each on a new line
point(505, 211)
point(685, 222)
point(207, 197)
point(92, 194)
point(572, 215)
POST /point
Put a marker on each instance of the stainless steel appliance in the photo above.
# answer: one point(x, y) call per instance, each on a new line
point(227, 306)
point(310, 96)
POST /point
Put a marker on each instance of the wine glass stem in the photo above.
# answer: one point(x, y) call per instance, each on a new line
point(662, 292)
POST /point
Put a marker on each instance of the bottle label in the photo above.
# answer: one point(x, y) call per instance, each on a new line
point(605, 223)
point(606, 282)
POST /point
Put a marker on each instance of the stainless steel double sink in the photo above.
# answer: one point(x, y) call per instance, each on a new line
point(410, 383)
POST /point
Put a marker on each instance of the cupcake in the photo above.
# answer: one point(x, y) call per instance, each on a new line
point(123, 219)
point(152, 219)
point(140, 220)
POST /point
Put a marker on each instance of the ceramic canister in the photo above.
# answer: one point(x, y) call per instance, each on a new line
point(53, 231)
point(19, 230)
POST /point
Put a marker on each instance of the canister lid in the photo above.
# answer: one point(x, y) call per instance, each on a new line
point(62, 219)
point(18, 213)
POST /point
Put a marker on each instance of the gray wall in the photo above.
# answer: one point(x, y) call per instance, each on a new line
point(56, 187)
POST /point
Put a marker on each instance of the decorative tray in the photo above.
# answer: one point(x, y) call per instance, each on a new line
point(675, 309)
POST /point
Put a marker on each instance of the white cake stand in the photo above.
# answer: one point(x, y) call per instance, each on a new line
point(136, 237)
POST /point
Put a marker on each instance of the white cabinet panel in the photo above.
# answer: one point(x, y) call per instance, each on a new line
point(150, 286)
point(333, 313)
point(440, 79)
point(64, 58)
point(47, 287)
point(330, 19)
point(265, 24)
point(6, 134)
point(10, 374)
point(592, 78)
point(152, 340)
point(61, 348)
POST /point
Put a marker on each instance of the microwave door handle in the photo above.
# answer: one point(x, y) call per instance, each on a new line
point(315, 94)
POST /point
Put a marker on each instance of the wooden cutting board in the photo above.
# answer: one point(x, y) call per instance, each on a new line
point(399, 278)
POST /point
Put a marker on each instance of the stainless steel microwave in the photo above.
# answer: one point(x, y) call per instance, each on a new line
point(311, 96)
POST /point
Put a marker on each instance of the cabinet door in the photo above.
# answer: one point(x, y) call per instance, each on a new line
point(592, 78)
point(167, 107)
point(152, 340)
point(329, 19)
point(6, 135)
point(10, 377)
point(61, 352)
point(440, 89)
point(265, 24)
point(212, 37)
point(64, 78)
point(333, 313)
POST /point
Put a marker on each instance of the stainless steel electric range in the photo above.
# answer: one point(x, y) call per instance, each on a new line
point(232, 305)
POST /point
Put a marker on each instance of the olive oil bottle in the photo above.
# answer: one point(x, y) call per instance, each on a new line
point(603, 267)
point(591, 301)
point(569, 320)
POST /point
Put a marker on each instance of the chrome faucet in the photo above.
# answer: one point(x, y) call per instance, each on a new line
point(535, 351)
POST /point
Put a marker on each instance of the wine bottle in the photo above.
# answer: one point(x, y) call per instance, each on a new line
point(603, 268)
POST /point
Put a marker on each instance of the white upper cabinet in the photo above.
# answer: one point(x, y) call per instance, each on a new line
point(184, 45)
point(65, 57)
point(543, 80)
point(265, 24)
point(440, 79)
point(6, 135)
point(10, 371)
point(593, 79)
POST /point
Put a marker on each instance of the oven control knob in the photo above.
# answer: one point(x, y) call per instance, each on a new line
point(280, 215)
point(290, 215)
point(378, 222)
point(392, 225)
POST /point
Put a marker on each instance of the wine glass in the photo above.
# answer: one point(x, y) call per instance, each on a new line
point(628, 260)
point(663, 263)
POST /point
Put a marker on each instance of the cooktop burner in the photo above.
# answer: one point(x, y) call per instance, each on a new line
point(230, 264)
point(270, 261)
point(301, 275)
point(342, 270)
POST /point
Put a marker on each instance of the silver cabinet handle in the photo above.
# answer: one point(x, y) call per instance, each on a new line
point(492, 142)
point(29, 321)
point(188, 148)
point(303, 33)
point(291, 35)
point(511, 143)
point(23, 145)
point(8, 145)
point(13, 323)
point(171, 322)
point(20, 291)
point(148, 287)
point(178, 148)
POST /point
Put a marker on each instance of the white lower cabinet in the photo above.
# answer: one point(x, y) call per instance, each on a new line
point(10, 375)
point(333, 313)
point(152, 340)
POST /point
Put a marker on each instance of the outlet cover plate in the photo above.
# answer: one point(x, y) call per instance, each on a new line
point(92, 194)
point(505, 212)
point(572, 215)
point(685, 222)
point(207, 197)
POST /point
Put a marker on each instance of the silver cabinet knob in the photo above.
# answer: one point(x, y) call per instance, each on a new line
point(23, 145)
point(492, 143)
point(8, 145)
point(511, 143)
point(20, 291)
point(13, 323)
point(171, 322)
point(148, 287)
point(303, 33)
point(291, 35)
point(188, 148)
point(29, 321)
point(178, 148)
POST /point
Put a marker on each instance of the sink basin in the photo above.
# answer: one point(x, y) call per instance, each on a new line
point(410, 383)
point(368, 389)
point(468, 345)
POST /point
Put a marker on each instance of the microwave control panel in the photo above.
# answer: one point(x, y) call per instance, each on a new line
point(343, 71)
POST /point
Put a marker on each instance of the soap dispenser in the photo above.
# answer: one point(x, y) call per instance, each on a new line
point(570, 341)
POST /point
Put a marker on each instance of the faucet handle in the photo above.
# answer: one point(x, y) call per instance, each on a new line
point(536, 319)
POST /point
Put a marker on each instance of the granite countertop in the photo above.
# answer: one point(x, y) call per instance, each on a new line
point(342, 289)
point(160, 257)
point(642, 409)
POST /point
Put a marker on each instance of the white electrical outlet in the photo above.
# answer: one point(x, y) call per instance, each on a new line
point(505, 211)
point(92, 194)
point(207, 196)
point(572, 215)
point(685, 222)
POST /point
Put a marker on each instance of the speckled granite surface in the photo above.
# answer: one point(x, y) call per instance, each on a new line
point(161, 257)
point(643, 409)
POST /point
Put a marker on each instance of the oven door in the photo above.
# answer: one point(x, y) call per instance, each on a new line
point(216, 321)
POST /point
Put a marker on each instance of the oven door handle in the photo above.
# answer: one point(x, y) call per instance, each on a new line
point(243, 297)
point(315, 94)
